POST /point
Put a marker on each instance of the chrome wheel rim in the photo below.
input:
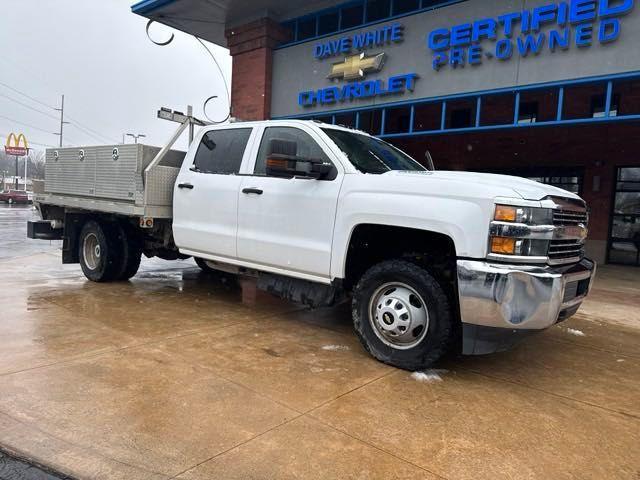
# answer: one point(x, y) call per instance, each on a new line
point(398, 315)
point(91, 251)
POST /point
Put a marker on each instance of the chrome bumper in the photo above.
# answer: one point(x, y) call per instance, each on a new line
point(521, 297)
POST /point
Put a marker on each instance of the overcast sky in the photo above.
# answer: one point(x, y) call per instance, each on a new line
point(114, 79)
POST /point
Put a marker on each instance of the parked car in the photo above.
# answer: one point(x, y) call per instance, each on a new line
point(432, 260)
point(14, 196)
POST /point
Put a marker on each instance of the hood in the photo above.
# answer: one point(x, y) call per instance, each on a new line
point(522, 187)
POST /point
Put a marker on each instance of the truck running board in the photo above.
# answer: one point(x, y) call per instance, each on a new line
point(300, 291)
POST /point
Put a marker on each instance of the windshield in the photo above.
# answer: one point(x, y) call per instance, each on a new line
point(370, 154)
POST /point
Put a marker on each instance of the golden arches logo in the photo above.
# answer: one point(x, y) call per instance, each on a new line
point(16, 148)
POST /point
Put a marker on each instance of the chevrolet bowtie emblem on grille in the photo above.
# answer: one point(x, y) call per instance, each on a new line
point(356, 66)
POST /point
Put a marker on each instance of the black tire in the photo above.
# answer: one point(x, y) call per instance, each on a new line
point(226, 278)
point(107, 265)
point(435, 343)
point(202, 263)
point(131, 247)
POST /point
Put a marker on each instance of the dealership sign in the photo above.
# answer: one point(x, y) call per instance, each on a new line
point(16, 145)
point(574, 23)
point(356, 65)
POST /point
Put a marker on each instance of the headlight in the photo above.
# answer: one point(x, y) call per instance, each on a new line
point(526, 215)
point(512, 228)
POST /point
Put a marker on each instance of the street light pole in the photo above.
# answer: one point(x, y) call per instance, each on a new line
point(62, 122)
point(135, 137)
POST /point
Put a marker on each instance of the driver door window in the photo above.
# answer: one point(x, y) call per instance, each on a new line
point(307, 147)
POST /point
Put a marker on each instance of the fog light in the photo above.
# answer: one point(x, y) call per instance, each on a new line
point(503, 245)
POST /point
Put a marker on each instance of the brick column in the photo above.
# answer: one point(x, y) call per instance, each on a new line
point(251, 47)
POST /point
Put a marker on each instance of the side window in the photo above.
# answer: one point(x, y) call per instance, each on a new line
point(307, 147)
point(221, 151)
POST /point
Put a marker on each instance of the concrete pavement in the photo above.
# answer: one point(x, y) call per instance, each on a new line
point(171, 375)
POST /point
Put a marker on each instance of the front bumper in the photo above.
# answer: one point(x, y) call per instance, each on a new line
point(500, 302)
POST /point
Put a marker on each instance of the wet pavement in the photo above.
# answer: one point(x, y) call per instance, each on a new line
point(12, 468)
point(172, 375)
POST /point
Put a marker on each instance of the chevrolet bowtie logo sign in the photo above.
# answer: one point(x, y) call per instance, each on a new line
point(356, 66)
point(12, 147)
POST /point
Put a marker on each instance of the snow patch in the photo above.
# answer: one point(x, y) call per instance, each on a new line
point(577, 333)
point(620, 360)
point(428, 376)
point(335, 348)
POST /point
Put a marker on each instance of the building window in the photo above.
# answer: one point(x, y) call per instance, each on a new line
point(568, 183)
point(546, 101)
point(528, 112)
point(290, 30)
point(371, 121)
point(598, 106)
point(405, 6)
point(624, 244)
point(427, 116)
point(378, 9)
point(328, 22)
point(460, 118)
point(629, 90)
point(306, 28)
point(351, 16)
point(397, 120)
point(346, 120)
point(326, 119)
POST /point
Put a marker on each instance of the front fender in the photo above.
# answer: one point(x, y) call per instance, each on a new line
point(465, 221)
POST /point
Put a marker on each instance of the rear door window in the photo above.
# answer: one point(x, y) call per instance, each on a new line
point(221, 151)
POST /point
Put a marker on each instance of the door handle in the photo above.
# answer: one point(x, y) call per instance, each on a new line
point(257, 191)
point(185, 185)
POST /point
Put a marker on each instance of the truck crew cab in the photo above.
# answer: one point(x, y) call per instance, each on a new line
point(431, 260)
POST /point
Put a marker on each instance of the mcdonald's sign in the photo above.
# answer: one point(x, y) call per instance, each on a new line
point(13, 145)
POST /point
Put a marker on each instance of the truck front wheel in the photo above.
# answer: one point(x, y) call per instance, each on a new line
point(402, 315)
point(99, 252)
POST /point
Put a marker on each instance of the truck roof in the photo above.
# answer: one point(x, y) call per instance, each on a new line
point(284, 121)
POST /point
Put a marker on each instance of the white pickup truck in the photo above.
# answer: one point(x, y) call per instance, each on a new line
point(433, 261)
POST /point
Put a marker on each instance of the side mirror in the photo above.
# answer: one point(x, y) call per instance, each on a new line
point(283, 161)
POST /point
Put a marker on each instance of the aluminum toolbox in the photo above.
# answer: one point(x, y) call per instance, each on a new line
point(111, 178)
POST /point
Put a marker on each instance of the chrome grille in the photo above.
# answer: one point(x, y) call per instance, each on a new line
point(565, 249)
point(569, 217)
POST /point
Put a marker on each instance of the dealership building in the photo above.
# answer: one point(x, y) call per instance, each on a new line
point(548, 90)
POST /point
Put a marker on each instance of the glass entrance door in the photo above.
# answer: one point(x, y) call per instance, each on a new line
point(624, 241)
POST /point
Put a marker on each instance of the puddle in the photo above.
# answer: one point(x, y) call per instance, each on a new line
point(13, 469)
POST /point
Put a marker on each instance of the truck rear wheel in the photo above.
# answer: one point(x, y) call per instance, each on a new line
point(402, 315)
point(99, 252)
point(131, 248)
